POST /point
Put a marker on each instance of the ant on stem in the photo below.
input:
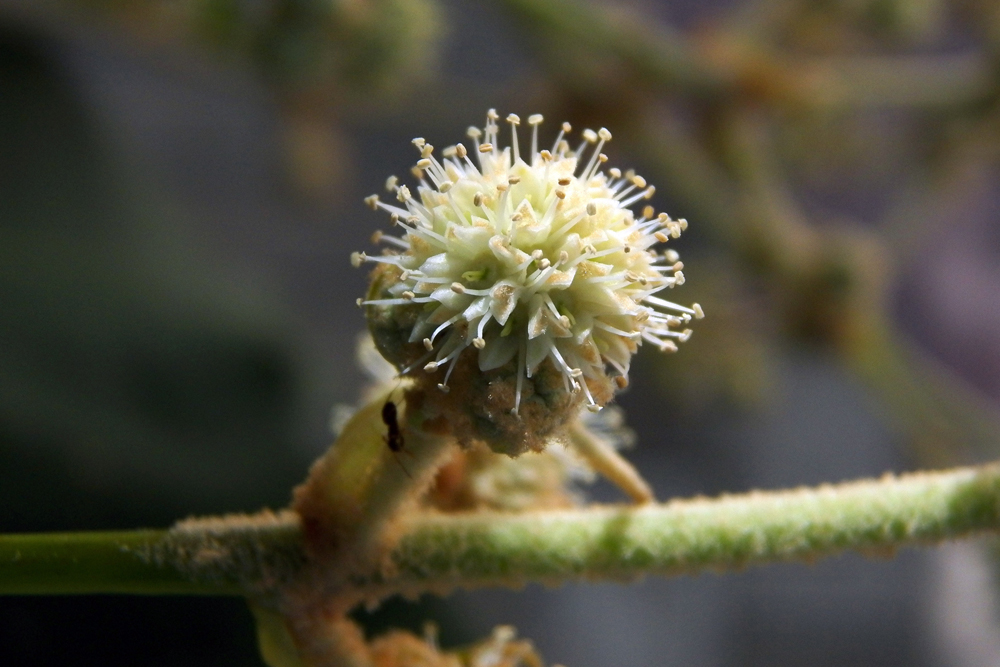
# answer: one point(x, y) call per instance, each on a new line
point(394, 437)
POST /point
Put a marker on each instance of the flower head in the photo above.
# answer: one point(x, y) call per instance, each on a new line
point(530, 264)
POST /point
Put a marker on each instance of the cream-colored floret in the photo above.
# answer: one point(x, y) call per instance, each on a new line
point(534, 256)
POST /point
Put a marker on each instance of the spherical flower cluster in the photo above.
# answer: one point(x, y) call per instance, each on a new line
point(529, 257)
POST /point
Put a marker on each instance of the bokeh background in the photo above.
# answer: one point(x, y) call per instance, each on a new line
point(181, 186)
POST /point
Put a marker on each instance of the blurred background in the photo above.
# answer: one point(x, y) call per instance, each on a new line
point(181, 186)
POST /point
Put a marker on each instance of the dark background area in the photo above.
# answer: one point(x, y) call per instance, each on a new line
point(177, 320)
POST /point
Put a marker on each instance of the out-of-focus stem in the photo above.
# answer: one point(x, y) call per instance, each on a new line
point(603, 458)
point(655, 54)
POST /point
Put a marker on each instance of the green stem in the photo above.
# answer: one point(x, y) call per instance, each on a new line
point(73, 563)
point(255, 555)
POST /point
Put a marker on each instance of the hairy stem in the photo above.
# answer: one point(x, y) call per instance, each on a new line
point(435, 552)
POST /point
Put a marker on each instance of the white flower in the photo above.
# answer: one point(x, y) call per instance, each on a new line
point(531, 257)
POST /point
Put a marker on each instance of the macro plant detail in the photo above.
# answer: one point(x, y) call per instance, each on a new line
point(519, 274)
point(533, 260)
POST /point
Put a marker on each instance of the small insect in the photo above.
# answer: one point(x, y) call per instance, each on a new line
point(394, 437)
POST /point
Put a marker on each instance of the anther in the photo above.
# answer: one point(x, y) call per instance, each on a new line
point(408, 295)
point(390, 183)
point(376, 236)
point(563, 256)
point(460, 151)
point(485, 148)
point(423, 163)
point(650, 191)
point(535, 119)
point(604, 134)
point(426, 151)
point(513, 119)
point(428, 345)
point(419, 142)
point(591, 208)
point(671, 255)
point(417, 172)
point(698, 312)
point(474, 132)
point(602, 158)
point(394, 219)
point(647, 212)
point(563, 181)
point(492, 114)
point(444, 388)
point(637, 181)
point(359, 302)
point(403, 193)
point(560, 194)
point(477, 199)
point(458, 288)
point(514, 180)
point(357, 259)
point(566, 128)
point(444, 187)
point(372, 202)
point(615, 172)
point(590, 136)
point(431, 366)
point(545, 155)
point(479, 343)
point(544, 263)
point(621, 381)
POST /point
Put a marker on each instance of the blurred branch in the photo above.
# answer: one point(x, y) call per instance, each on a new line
point(732, 62)
point(654, 52)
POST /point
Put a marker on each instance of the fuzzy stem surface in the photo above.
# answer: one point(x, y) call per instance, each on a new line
point(436, 552)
